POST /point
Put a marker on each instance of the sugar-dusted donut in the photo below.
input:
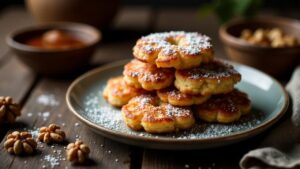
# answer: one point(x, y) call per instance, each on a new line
point(148, 113)
point(174, 97)
point(179, 50)
point(214, 77)
point(224, 108)
point(118, 93)
point(147, 76)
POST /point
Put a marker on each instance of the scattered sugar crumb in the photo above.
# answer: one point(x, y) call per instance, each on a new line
point(186, 166)
point(44, 115)
point(77, 124)
point(34, 133)
point(29, 114)
point(47, 100)
point(52, 160)
point(116, 160)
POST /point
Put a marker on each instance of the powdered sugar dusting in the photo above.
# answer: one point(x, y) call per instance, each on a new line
point(34, 132)
point(188, 42)
point(215, 69)
point(44, 115)
point(144, 101)
point(98, 111)
point(53, 161)
point(144, 72)
point(170, 50)
point(178, 111)
point(106, 116)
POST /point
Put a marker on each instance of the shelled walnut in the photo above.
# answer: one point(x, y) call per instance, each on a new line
point(20, 142)
point(8, 110)
point(274, 37)
point(77, 152)
point(52, 133)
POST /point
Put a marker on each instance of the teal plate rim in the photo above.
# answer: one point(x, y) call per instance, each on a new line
point(172, 143)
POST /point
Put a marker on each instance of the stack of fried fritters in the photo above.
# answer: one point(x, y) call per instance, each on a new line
point(173, 78)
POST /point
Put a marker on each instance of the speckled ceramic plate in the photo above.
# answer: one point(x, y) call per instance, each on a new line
point(269, 99)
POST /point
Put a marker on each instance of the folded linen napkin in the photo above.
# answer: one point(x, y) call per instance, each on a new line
point(293, 87)
point(281, 148)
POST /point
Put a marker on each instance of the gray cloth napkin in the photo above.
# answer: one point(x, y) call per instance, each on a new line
point(281, 148)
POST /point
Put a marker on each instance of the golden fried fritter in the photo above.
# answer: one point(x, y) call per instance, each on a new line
point(179, 50)
point(174, 97)
point(147, 76)
point(214, 77)
point(224, 108)
point(148, 113)
point(118, 93)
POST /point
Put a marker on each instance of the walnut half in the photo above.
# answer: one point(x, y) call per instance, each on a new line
point(20, 142)
point(77, 152)
point(8, 110)
point(52, 133)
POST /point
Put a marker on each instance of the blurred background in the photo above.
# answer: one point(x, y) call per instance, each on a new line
point(178, 3)
point(122, 22)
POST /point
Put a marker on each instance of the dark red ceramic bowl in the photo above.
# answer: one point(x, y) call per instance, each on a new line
point(55, 62)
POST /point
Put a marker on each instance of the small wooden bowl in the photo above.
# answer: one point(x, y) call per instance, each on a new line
point(54, 62)
point(275, 61)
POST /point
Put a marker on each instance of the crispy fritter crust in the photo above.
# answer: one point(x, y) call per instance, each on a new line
point(224, 108)
point(146, 112)
point(118, 93)
point(215, 77)
point(147, 76)
point(180, 50)
point(174, 97)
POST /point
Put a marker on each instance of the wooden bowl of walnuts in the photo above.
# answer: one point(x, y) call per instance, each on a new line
point(271, 44)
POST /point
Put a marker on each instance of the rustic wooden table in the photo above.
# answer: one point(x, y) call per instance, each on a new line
point(43, 99)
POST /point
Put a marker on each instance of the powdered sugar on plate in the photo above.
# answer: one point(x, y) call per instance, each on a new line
point(98, 111)
point(106, 116)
